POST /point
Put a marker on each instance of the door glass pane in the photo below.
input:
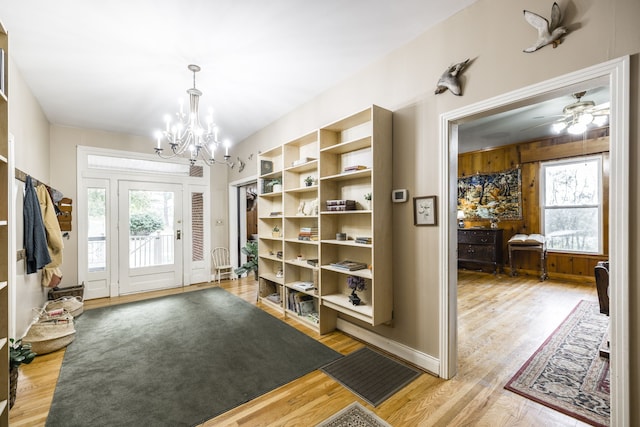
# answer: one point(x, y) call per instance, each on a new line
point(150, 228)
point(96, 245)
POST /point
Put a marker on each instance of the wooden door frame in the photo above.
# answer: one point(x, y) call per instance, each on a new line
point(615, 73)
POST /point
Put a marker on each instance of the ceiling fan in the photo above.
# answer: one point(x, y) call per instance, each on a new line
point(577, 116)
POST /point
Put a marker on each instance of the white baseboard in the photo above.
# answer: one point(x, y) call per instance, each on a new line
point(423, 360)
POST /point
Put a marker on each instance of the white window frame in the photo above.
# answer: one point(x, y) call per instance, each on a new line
point(599, 205)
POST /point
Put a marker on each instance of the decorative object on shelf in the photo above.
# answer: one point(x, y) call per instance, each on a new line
point(251, 251)
point(341, 236)
point(188, 138)
point(367, 197)
point(275, 231)
point(273, 186)
point(450, 79)
point(19, 353)
point(356, 284)
point(266, 166)
point(425, 210)
point(548, 32)
point(460, 219)
point(487, 195)
point(308, 181)
point(279, 274)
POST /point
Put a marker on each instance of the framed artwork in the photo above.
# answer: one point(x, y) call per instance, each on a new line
point(491, 195)
point(425, 211)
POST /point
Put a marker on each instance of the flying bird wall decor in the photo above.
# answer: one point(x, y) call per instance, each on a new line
point(450, 79)
point(548, 32)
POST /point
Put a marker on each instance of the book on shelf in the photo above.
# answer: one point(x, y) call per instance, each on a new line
point(275, 214)
point(313, 262)
point(354, 168)
point(308, 233)
point(304, 286)
point(340, 202)
point(527, 239)
point(349, 265)
point(364, 240)
point(297, 299)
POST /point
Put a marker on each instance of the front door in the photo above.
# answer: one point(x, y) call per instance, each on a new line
point(149, 236)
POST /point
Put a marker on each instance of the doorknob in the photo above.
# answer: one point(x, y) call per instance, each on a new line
point(178, 234)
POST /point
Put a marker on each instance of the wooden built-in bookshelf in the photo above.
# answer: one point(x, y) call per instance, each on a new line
point(344, 160)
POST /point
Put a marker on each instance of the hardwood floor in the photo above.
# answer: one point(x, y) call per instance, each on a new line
point(502, 321)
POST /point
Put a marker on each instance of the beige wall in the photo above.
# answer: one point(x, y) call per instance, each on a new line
point(493, 33)
point(30, 128)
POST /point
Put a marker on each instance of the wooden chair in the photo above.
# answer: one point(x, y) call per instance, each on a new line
point(221, 263)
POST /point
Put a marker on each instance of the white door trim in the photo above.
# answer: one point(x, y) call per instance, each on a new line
point(233, 215)
point(616, 74)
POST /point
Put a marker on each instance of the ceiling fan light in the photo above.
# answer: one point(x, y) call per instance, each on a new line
point(558, 127)
point(577, 128)
point(585, 118)
point(600, 120)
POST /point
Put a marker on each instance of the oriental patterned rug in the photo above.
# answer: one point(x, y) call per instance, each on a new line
point(567, 373)
point(354, 415)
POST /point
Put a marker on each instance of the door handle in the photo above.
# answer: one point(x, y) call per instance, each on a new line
point(178, 234)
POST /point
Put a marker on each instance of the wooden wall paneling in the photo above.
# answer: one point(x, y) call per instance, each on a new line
point(528, 155)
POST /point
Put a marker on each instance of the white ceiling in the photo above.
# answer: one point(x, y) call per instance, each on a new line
point(121, 65)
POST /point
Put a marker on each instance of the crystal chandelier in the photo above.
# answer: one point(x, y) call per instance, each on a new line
point(187, 137)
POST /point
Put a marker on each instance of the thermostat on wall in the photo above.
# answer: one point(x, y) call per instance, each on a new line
point(399, 196)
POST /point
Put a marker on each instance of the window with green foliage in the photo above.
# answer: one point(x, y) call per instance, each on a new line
point(571, 203)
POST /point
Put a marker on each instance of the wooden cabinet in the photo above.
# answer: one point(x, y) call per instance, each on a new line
point(345, 160)
point(480, 248)
point(4, 232)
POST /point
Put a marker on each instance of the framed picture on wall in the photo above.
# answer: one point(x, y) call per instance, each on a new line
point(425, 210)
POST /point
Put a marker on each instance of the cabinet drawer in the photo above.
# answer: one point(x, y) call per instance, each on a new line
point(477, 236)
point(476, 253)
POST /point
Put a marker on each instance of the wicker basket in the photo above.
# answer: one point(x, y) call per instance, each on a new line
point(72, 291)
point(49, 334)
point(73, 305)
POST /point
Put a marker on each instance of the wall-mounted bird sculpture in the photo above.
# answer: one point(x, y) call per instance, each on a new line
point(450, 79)
point(548, 32)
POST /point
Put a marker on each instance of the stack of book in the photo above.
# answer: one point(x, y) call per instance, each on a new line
point(354, 168)
point(308, 233)
point(301, 303)
point(341, 205)
point(364, 240)
point(304, 286)
point(313, 262)
point(349, 265)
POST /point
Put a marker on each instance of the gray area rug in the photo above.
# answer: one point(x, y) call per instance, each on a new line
point(567, 373)
point(354, 415)
point(177, 361)
point(371, 375)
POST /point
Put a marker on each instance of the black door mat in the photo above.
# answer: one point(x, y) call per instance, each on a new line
point(372, 376)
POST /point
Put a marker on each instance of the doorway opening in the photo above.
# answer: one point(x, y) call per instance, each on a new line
point(615, 74)
point(243, 217)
